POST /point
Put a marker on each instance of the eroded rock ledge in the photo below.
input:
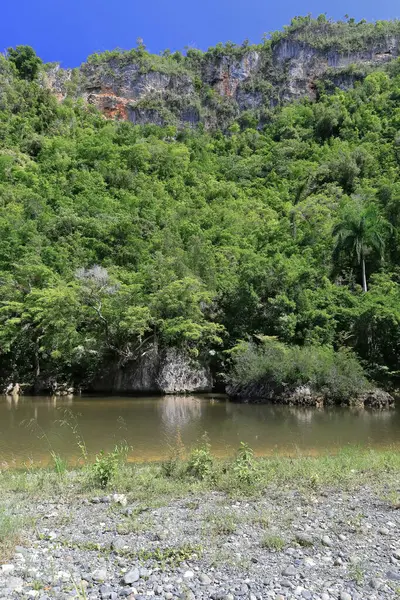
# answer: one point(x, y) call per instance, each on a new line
point(305, 395)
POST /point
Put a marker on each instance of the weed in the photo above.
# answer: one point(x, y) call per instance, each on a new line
point(170, 556)
point(106, 466)
point(224, 524)
point(261, 519)
point(172, 466)
point(132, 525)
point(356, 572)
point(79, 590)
point(200, 461)
point(273, 542)
point(60, 465)
point(37, 585)
point(10, 528)
point(356, 522)
point(244, 466)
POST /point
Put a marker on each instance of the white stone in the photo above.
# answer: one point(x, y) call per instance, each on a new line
point(7, 568)
point(120, 499)
point(188, 575)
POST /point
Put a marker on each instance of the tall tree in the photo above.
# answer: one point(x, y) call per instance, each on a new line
point(360, 233)
point(25, 60)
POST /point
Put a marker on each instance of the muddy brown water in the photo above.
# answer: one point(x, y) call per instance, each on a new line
point(32, 427)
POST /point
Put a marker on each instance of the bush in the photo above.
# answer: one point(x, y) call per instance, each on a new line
point(244, 466)
point(338, 375)
point(106, 466)
point(200, 461)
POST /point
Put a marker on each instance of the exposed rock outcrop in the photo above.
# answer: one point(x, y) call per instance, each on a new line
point(305, 395)
point(218, 86)
point(169, 371)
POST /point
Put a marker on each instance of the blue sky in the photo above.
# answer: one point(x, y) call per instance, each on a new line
point(69, 30)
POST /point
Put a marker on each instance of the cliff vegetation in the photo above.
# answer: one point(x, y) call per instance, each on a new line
point(117, 235)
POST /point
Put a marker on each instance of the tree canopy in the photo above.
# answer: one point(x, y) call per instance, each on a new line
point(115, 235)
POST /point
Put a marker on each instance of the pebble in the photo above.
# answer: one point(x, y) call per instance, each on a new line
point(118, 544)
point(105, 591)
point(99, 575)
point(303, 570)
point(120, 499)
point(188, 575)
point(6, 569)
point(326, 540)
point(383, 531)
point(375, 583)
point(132, 576)
point(393, 576)
point(309, 562)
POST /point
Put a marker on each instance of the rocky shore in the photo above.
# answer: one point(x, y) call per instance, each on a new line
point(312, 543)
point(305, 395)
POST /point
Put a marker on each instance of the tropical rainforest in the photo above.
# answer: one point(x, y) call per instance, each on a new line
point(114, 235)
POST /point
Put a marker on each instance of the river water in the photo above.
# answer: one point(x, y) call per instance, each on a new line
point(32, 427)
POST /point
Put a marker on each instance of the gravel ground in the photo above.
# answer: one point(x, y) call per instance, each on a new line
point(287, 544)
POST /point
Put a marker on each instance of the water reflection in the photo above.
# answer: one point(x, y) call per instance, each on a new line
point(150, 425)
point(178, 411)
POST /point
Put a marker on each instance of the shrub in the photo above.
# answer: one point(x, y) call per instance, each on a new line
point(244, 466)
point(172, 467)
point(200, 461)
point(273, 542)
point(338, 375)
point(105, 467)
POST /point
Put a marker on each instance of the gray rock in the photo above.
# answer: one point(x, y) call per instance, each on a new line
point(99, 575)
point(132, 576)
point(345, 596)
point(290, 571)
point(396, 554)
point(204, 579)
point(393, 575)
point(383, 531)
point(375, 583)
point(14, 583)
point(118, 544)
point(105, 591)
point(326, 540)
point(309, 562)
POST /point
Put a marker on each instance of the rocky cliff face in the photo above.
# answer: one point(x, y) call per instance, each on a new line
point(169, 371)
point(217, 87)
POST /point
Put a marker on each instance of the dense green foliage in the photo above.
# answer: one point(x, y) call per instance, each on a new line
point(335, 374)
point(25, 60)
point(114, 235)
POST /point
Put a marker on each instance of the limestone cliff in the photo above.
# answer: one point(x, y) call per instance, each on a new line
point(228, 82)
point(168, 371)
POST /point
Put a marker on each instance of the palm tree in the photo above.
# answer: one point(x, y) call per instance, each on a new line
point(360, 233)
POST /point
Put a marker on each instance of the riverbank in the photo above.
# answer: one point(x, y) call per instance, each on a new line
point(313, 528)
